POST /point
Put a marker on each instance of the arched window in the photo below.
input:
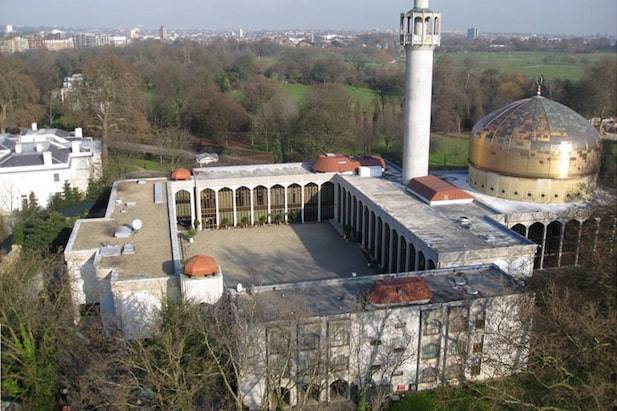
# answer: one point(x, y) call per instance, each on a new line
point(570, 243)
point(553, 238)
point(371, 246)
point(536, 234)
point(243, 206)
point(392, 268)
point(366, 222)
point(311, 202)
point(339, 390)
point(436, 28)
point(431, 264)
point(411, 258)
point(208, 208)
point(386, 248)
point(260, 204)
point(588, 240)
point(277, 208)
point(294, 203)
point(183, 208)
point(428, 24)
point(226, 207)
point(520, 229)
point(417, 26)
point(327, 201)
point(403, 253)
point(379, 242)
point(421, 261)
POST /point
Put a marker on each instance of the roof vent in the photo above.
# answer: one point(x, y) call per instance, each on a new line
point(239, 288)
point(110, 250)
point(137, 224)
point(128, 249)
point(465, 222)
point(470, 290)
point(459, 280)
point(123, 231)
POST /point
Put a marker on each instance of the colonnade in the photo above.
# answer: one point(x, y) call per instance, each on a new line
point(214, 207)
point(390, 250)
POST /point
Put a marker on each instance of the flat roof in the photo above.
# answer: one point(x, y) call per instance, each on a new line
point(153, 254)
point(258, 170)
point(511, 206)
point(440, 227)
point(283, 253)
point(342, 296)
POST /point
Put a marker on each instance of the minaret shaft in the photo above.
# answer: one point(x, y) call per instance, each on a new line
point(420, 34)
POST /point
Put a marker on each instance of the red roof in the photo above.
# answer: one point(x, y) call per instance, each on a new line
point(400, 291)
point(181, 174)
point(433, 188)
point(335, 163)
point(200, 266)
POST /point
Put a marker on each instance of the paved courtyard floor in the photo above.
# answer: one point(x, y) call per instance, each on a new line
point(280, 253)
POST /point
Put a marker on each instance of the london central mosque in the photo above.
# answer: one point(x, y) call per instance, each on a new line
point(427, 260)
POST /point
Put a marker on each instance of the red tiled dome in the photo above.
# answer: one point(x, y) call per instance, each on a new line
point(200, 266)
point(434, 189)
point(181, 174)
point(335, 163)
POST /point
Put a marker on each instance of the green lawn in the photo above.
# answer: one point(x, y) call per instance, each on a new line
point(362, 94)
point(552, 65)
point(448, 150)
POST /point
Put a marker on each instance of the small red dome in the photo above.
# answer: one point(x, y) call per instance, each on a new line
point(335, 163)
point(181, 174)
point(200, 266)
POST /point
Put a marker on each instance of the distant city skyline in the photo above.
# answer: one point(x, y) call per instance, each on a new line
point(523, 16)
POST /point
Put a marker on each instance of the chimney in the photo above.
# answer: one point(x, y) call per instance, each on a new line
point(78, 132)
point(75, 145)
point(34, 127)
point(47, 158)
point(18, 148)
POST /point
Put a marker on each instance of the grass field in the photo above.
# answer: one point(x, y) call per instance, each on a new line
point(569, 66)
point(448, 151)
point(362, 94)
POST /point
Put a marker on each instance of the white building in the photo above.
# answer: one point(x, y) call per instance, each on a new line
point(40, 162)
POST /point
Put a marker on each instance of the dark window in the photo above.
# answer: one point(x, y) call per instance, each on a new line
point(376, 342)
point(56, 177)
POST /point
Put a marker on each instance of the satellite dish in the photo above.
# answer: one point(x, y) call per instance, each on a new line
point(137, 224)
point(239, 287)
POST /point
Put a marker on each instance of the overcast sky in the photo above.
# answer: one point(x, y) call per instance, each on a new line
point(524, 16)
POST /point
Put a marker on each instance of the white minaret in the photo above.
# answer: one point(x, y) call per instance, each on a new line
point(420, 34)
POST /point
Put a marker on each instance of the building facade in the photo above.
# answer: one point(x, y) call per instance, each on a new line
point(41, 161)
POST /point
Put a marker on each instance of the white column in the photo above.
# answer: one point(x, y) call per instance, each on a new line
point(192, 193)
point(561, 236)
point(543, 246)
point(302, 206)
point(407, 251)
point(233, 193)
point(319, 202)
point(286, 203)
point(216, 200)
point(252, 207)
point(198, 204)
point(269, 207)
point(578, 242)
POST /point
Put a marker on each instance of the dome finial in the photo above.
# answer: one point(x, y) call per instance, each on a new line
point(539, 82)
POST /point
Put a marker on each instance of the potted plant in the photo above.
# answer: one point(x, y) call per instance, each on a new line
point(190, 235)
point(245, 221)
point(197, 223)
point(225, 222)
point(263, 220)
point(278, 218)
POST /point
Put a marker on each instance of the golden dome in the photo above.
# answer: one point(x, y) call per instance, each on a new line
point(535, 138)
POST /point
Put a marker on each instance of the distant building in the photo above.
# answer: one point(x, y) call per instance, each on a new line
point(58, 44)
point(69, 84)
point(163, 34)
point(40, 161)
point(8, 29)
point(13, 45)
point(241, 33)
point(89, 40)
point(118, 41)
point(472, 33)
